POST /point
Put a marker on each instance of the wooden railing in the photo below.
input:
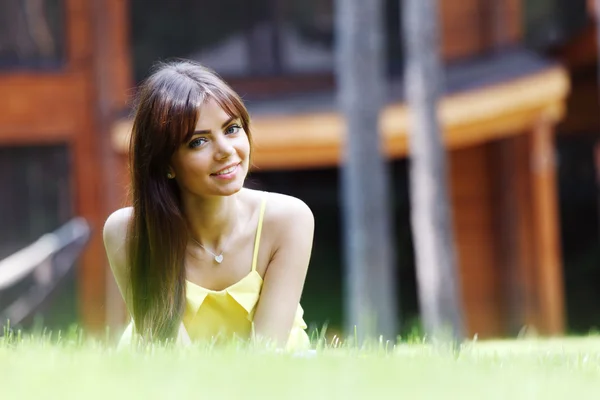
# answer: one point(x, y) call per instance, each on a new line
point(29, 276)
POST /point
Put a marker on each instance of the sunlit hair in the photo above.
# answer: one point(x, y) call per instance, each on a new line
point(167, 110)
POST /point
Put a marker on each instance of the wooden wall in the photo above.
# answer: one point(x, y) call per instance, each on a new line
point(506, 225)
point(472, 199)
point(74, 106)
point(470, 27)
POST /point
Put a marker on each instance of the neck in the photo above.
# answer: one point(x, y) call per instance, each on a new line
point(211, 221)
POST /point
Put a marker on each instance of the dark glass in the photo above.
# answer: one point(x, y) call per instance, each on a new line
point(32, 34)
point(246, 39)
point(548, 23)
point(35, 193)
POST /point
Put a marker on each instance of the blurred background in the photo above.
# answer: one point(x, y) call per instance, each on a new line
point(68, 70)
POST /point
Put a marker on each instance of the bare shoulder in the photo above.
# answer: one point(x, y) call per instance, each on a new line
point(115, 234)
point(285, 212)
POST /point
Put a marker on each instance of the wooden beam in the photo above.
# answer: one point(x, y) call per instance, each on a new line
point(470, 118)
point(40, 109)
point(546, 228)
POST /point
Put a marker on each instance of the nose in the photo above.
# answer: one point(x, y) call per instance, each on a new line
point(224, 148)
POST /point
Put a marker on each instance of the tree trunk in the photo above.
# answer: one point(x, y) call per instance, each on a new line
point(430, 211)
point(370, 289)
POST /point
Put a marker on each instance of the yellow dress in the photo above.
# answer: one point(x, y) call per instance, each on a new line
point(219, 316)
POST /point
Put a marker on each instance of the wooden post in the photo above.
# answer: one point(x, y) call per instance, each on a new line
point(506, 223)
point(597, 168)
point(98, 57)
point(546, 229)
point(87, 169)
point(593, 7)
point(524, 234)
point(109, 27)
point(514, 228)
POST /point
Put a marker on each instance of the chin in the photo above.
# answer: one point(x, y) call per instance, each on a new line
point(232, 191)
point(229, 189)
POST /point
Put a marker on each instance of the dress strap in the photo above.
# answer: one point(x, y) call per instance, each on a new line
point(259, 230)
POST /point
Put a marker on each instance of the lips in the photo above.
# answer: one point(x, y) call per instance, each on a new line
point(227, 170)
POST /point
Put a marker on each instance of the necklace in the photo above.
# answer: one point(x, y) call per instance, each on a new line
point(218, 258)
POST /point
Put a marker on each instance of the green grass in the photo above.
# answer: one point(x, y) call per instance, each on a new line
point(67, 366)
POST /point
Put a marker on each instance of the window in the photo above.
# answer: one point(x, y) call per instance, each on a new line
point(549, 23)
point(235, 37)
point(36, 193)
point(244, 39)
point(31, 34)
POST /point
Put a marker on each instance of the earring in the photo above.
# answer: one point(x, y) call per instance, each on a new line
point(170, 175)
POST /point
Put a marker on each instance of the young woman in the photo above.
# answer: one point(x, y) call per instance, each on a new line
point(198, 256)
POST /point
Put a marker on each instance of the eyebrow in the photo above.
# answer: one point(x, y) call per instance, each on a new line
point(208, 131)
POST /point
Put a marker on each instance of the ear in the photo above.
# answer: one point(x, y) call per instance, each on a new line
point(170, 173)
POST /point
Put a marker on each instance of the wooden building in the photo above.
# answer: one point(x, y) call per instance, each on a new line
point(60, 92)
point(498, 116)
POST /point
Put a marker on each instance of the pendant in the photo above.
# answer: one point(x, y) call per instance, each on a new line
point(219, 258)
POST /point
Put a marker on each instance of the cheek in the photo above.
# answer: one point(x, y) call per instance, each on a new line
point(192, 165)
point(245, 146)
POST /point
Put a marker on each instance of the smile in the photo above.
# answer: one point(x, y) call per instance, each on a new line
point(226, 171)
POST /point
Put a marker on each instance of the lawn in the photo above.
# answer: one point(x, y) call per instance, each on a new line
point(74, 368)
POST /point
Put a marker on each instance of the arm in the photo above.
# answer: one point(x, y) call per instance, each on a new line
point(293, 226)
point(114, 235)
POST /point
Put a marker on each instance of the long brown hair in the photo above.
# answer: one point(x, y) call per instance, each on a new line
point(167, 110)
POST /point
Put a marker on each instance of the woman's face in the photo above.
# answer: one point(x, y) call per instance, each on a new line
point(215, 160)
